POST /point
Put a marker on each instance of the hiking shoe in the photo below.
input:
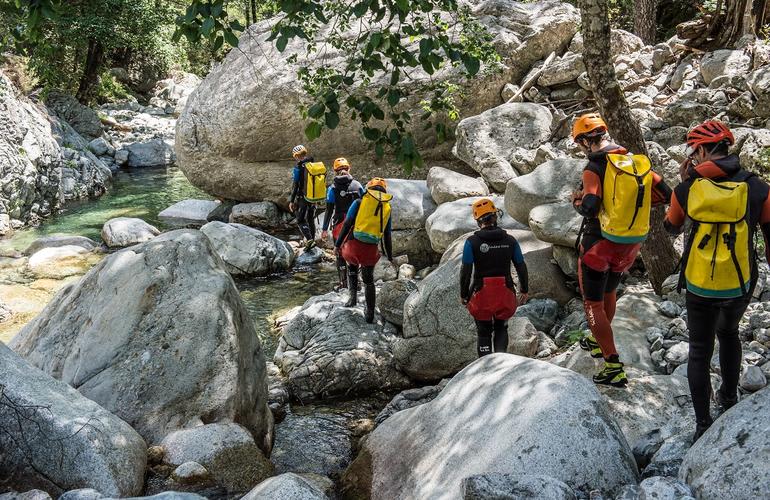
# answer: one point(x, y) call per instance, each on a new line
point(589, 343)
point(724, 403)
point(700, 429)
point(309, 245)
point(612, 374)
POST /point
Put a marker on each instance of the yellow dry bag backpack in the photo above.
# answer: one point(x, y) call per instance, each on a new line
point(373, 216)
point(626, 198)
point(315, 187)
point(717, 258)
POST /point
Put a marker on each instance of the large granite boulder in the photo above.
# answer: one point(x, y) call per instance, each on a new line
point(154, 153)
point(557, 223)
point(55, 439)
point(61, 262)
point(730, 460)
point(411, 204)
point(255, 89)
point(313, 441)
point(262, 214)
point(529, 409)
point(454, 219)
point(724, 62)
point(415, 243)
point(249, 251)
point(188, 213)
point(288, 486)
point(126, 231)
point(61, 240)
point(621, 42)
point(498, 485)
point(391, 298)
point(83, 119)
point(328, 349)
point(488, 142)
point(447, 185)
point(158, 335)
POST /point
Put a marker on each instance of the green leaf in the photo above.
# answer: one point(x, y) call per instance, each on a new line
point(403, 5)
point(360, 9)
point(230, 38)
point(472, 64)
point(393, 97)
point(220, 40)
point(316, 110)
point(378, 113)
point(371, 134)
point(332, 120)
point(208, 25)
point(217, 8)
point(313, 130)
point(280, 44)
point(379, 150)
point(237, 26)
point(426, 46)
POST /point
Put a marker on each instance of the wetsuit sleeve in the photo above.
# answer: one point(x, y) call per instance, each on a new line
point(764, 221)
point(591, 202)
point(295, 183)
point(388, 241)
point(661, 192)
point(675, 216)
point(466, 271)
point(350, 220)
point(521, 267)
point(329, 208)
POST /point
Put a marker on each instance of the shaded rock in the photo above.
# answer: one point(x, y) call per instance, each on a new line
point(499, 486)
point(752, 379)
point(192, 213)
point(288, 486)
point(446, 185)
point(567, 260)
point(249, 251)
point(724, 63)
point(154, 153)
point(409, 399)
point(534, 405)
point(319, 443)
point(158, 335)
point(61, 240)
point(261, 214)
point(556, 223)
point(542, 313)
point(328, 349)
point(411, 204)
point(191, 473)
point(663, 488)
point(60, 440)
point(562, 70)
point(310, 257)
point(415, 243)
point(81, 494)
point(127, 231)
point(27, 495)
point(83, 119)
point(391, 298)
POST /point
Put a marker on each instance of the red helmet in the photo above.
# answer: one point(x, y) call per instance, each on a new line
point(709, 132)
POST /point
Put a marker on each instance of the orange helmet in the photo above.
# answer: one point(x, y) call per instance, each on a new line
point(483, 207)
point(341, 163)
point(588, 123)
point(709, 132)
point(377, 182)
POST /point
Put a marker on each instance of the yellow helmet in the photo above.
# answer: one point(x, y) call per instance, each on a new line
point(483, 207)
point(377, 182)
point(341, 163)
point(298, 151)
point(588, 123)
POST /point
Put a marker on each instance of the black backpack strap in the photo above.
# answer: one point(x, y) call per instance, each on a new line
point(580, 235)
point(685, 256)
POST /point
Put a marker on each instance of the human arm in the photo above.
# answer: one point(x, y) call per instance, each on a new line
point(296, 178)
point(350, 220)
point(764, 224)
point(329, 211)
point(466, 272)
point(676, 215)
point(661, 192)
point(589, 201)
point(521, 271)
point(388, 241)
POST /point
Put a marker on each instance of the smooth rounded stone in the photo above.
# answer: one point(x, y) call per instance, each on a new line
point(190, 473)
point(663, 488)
point(536, 407)
point(752, 379)
point(411, 204)
point(385, 270)
point(553, 181)
point(677, 354)
point(500, 486)
point(485, 141)
point(649, 403)
point(310, 257)
point(27, 495)
point(318, 443)
point(759, 83)
point(447, 185)
point(686, 113)
point(219, 156)
point(181, 344)
point(391, 298)
point(61, 240)
point(328, 349)
point(260, 214)
point(154, 153)
point(406, 271)
point(621, 42)
point(724, 63)
point(730, 459)
point(409, 399)
point(556, 223)
point(563, 69)
point(754, 151)
point(669, 309)
point(542, 313)
point(288, 486)
point(188, 213)
point(81, 494)
point(453, 219)
point(126, 231)
point(567, 260)
point(61, 262)
point(248, 251)
point(226, 450)
point(65, 441)
point(167, 495)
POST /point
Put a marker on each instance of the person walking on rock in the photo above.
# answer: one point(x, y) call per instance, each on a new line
point(339, 197)
point(486, 284)
point(725, 204)
point(366, 226)
point(308, 187)
point(617, 192)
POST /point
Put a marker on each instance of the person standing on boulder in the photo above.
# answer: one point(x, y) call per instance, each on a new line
point(719, 266)
point(340, 196)
point(617, 192)
point(486, 284)
point(303, 211)
point(366, 226)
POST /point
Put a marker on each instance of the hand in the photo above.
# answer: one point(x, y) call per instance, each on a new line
point(684, 167)
point(337, 251)
point(292, 207)
point(577, 195)
point(463, 301)
point(324, 235)
point(522, 298)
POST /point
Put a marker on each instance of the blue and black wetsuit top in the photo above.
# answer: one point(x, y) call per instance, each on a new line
point(489, 253)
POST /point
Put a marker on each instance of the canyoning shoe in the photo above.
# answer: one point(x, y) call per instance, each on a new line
point(589, 343)
point(309, 244)
point(612, 374)
point(700, 429)
point(724, 403)
point(369, 315)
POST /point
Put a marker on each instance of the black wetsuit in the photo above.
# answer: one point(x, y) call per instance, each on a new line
point(305, 212)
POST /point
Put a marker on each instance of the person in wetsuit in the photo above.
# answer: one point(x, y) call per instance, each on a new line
point(303, 211)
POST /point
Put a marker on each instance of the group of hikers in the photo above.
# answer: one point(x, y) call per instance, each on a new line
point(721, 204)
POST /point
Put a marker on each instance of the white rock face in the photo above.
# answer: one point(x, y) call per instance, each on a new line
point(730, 459)
point(446, 185)
point(126, 231)
point(188, 212)
point(262, 214)
point(454, 219)
point(154, 153)
point(158, 335)
point(64, 441)
point(411, 204)
point(60, 240)
point(60, 262)
point(724, 62)
point(486, 141)
point(621, 42)
point(248, 251)
point(557, 223)
point(288, 486)
point(427, 451)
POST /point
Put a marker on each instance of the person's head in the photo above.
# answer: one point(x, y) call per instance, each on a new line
point(377, 184)
point(711, 140)
point(341, 166)
point(589, 132)
point(299, 152)
point(485, 212)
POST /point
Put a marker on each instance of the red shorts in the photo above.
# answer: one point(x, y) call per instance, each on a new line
point(494, 301)
point(336, 230)
point(360, 254)
point(610, 256)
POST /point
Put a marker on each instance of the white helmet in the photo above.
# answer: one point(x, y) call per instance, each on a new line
point(299, 150)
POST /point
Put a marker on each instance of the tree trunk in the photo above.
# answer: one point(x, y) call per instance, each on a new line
point(645, 16)
point(254, 10)
point(90, 74)
point(719, 30)
point(758, 11)
point(248, 14)
point(658, 254)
